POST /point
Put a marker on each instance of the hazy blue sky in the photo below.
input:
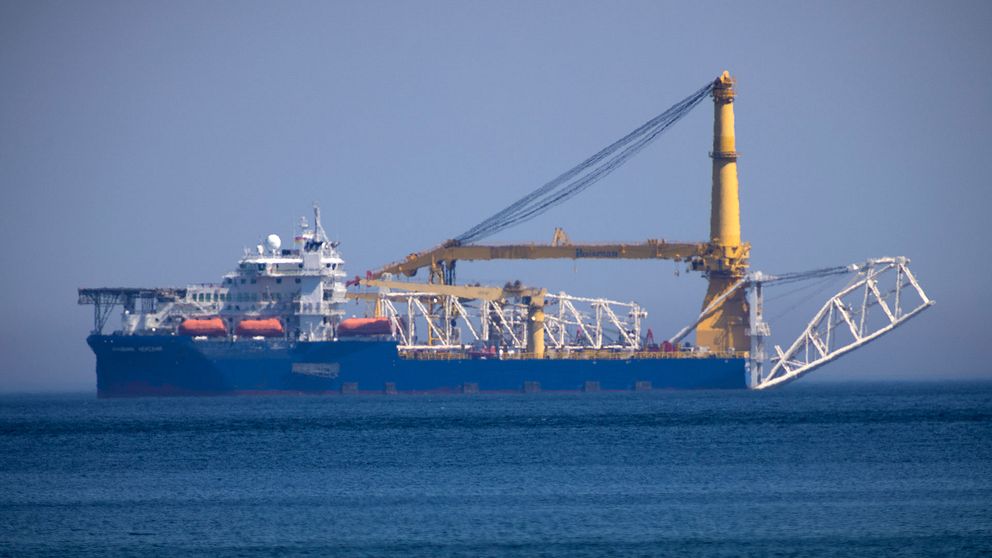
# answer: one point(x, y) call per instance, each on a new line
point(144, 144)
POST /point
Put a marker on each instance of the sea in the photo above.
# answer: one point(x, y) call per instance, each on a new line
point(885, 469)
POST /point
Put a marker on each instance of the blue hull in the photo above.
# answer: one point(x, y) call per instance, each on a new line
point(174, 365)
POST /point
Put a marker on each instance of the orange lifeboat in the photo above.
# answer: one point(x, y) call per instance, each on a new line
point(269, 327)
point(209, 327)
point(353, 327)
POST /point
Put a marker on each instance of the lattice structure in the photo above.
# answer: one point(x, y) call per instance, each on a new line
point(446, 321)
point(104, 300)
point(883, 295)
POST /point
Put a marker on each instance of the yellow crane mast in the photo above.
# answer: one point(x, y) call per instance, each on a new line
point(726, 327)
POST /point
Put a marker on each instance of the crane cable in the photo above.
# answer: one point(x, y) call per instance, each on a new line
point(585, 174)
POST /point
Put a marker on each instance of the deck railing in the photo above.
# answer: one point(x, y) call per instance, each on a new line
point(571, 355)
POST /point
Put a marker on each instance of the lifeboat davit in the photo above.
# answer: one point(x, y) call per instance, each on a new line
point(269, 327)
point(203, 327)
point(353, 327)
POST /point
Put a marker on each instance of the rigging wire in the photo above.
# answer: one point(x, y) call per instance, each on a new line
point(792, 277)
point(821, 285)
point(575, 180)
point(803, 287)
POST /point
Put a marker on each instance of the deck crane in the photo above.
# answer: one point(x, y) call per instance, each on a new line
point(723, 259)
point(731, 320)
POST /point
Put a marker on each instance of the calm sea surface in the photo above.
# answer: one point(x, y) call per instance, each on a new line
point(895, 470)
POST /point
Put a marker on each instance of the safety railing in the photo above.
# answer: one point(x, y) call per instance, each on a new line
point(427, 354)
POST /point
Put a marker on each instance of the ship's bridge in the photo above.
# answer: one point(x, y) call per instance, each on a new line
point(282, 265)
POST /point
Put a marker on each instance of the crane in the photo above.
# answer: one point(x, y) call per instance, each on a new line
point(882, 294)
point(723, 259)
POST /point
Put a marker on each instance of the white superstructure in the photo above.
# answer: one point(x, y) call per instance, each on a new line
point(303, 287)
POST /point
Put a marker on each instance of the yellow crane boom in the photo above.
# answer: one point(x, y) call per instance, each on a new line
point(702, 256)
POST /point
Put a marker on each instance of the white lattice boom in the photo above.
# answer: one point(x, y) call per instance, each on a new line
point(883, 295)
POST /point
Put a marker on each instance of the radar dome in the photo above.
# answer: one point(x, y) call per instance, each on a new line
point(273, 241)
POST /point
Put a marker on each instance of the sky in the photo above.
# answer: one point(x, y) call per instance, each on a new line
point(146, 144)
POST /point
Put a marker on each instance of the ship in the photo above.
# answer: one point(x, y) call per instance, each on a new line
point(278, 322)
